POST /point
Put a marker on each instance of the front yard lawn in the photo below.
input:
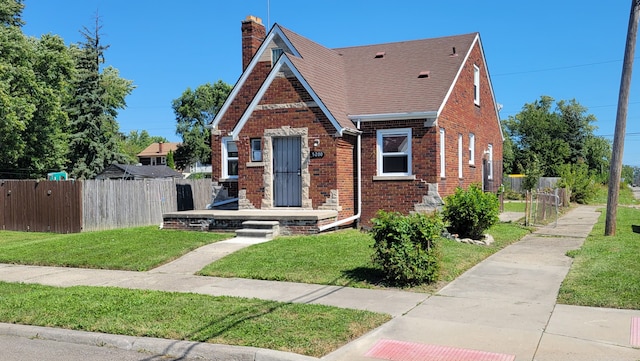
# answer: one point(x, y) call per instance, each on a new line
point(132, 249)
point(605, 271)
point(344, 258)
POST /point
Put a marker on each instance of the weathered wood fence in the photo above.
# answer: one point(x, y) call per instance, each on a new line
point(542, 207)
point(89, 205)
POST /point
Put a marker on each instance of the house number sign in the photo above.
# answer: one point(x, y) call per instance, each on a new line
point(316, 155)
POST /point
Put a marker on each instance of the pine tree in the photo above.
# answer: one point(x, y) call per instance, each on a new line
point(95, 137)
point(170, 162)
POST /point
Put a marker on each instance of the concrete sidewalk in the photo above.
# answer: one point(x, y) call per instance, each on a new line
point(504, 306)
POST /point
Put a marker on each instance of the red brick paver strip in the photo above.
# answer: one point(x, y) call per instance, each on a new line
point(407, 351)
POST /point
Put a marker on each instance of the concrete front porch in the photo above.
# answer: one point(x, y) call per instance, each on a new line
point(291, 220)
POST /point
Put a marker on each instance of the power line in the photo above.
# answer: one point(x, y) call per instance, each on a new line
point(557, 68)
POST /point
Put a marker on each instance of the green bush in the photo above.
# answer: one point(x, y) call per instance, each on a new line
point(471, 212)
point(406, 247)
point(580, 184)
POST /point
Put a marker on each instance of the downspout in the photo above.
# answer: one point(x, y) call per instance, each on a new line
point(359, 172)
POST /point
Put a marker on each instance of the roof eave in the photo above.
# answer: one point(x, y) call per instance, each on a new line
point(393, 116)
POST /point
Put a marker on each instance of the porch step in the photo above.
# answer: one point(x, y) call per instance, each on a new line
point(259, 229)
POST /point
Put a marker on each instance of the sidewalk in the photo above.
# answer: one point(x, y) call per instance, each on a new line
point(504, 306)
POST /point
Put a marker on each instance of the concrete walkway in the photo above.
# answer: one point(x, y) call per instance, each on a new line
point(504, 306)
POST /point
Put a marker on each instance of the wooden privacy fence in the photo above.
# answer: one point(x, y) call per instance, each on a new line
point(41, 206)
point(89, 205)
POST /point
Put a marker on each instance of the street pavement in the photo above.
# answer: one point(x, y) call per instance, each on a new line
point(504, 308)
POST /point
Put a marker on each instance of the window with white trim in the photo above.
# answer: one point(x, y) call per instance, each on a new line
point(229, 158)
point(256, 150)
point(476, 85)
point(394, 152)
point(460, 155)
point(275, 55)
point(442, 154)
point(490, 161)
point(472, 148)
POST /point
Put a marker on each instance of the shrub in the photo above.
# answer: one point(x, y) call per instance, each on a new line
point(579, 183)
point(406, 247)
point(471, 212)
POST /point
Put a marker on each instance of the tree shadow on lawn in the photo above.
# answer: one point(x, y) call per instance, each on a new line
point(368, 275)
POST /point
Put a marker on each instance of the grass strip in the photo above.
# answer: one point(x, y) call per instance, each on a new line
point(605, 270)
point(313, 330)
point(132, 249)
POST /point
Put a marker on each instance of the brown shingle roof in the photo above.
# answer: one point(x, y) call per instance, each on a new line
point(154, 149)
point(359, 81)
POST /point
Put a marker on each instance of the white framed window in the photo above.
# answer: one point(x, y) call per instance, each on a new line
point(256, 150)
point(394, 152)
point(442, 154)
point(476, 85)
point(229, 158)
point(472, 148)
point(275, 55)
point(490, 161)
point(460, 155)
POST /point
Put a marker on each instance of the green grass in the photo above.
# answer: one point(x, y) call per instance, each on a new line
point(605, 271)
point(514, 206)
point(312, 330)
point(135, 249)
point(625, 196)
point(344, 259)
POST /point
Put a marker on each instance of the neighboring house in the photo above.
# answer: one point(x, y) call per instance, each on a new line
point(156, 153)
point(136, 172)
point(392, 126)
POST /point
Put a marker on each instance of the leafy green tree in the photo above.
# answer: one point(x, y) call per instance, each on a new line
point(11, 13)
point(598, 157)
point(95, 139)
point(194, 109)
point(555, 135)
point(627, 175)
point(16, 77)
point(34, 79)
point(135, 142)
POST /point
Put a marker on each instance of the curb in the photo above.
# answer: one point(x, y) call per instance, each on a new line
point(173, 348)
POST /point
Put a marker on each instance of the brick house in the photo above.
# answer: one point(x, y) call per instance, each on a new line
point(393, 126)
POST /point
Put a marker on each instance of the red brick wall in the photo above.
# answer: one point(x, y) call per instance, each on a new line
point(326, 173)
point(397, 195)
point(346, 174)
point(461, 116)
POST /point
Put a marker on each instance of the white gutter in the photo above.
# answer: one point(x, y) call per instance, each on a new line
point(357, 215)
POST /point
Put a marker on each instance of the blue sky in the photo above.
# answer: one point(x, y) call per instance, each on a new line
point(565, 49)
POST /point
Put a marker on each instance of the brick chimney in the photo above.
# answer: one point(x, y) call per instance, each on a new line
point(253, 33)
point(160, 147)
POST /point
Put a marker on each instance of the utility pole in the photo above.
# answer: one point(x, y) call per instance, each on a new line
point(621, 122)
